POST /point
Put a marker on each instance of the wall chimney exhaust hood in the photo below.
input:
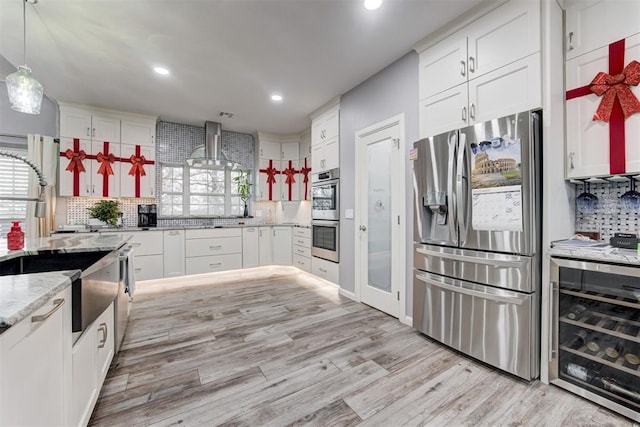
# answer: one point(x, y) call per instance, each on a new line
point(210, 155)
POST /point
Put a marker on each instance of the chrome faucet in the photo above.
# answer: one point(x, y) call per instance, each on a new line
point(40, 203)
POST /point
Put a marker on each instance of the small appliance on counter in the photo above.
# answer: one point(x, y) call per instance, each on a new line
point(628, 240)
point(148, 215)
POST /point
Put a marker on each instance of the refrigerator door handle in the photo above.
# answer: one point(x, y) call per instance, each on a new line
point(472, 260)
point(451, 202)
point(460, 290)
point(460, 202)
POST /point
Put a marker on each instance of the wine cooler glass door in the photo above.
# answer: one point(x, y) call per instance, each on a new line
point(596, 348)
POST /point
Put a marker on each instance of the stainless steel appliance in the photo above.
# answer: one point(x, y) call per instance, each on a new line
point(121, 302)
point(325, 195)
point(325, 240)
point(595, 332)
point(476, 232)
point(148, 215)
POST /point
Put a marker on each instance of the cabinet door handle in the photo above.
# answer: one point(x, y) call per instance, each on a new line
point(472, 112)
point(103, 328)
point(57, 303)
point(174, 233)
point(93, 189)
point(472, 64)
point(135, 244)
point(94, 133)
point(88, 190)
point(215, 248)
point(216, 264)
point(138, 270)
point(570, 46)
point(88, 131)
point(464, 114)
point(463, 68)
point(322, 269)
point(571, 165)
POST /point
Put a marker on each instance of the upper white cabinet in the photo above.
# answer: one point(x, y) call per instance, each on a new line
point(278, 159)
point(106, 153)
point(591, 24)
point(490, 68)
point(588, 140)
point(325, 140)
point(304, 166)
point(35, 367)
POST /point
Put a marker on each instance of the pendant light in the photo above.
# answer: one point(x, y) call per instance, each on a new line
point(25, 92)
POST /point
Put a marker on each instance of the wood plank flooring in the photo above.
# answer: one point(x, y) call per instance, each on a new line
point(278, 347)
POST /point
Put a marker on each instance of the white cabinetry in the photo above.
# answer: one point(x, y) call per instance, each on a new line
point(305, 166)
point(488, 69)
point(148, 254)
point(278, 171)
point(173, 253)
point(265, 255)
point(250, 247)
point(325, 269)
point(212, 250)
point(106, 153)
point(325, 140)
point(301, 248)
point(591, 24)
point(281, 245)
point(588, 140)
point(92, 355)
point(35, 367)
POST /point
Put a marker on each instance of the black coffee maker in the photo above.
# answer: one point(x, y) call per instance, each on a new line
point(147, 215)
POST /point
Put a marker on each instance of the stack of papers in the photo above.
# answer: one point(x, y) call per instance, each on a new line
point(583, 245)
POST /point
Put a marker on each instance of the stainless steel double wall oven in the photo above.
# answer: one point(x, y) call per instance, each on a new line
point(325, 215)
point(477, 234)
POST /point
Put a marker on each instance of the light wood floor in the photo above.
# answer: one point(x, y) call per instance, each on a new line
point(286, 349)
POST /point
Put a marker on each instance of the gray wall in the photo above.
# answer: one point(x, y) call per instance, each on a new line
point(390, 92)
point(13, 122)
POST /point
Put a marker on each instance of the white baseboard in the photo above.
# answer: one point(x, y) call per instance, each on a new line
point(407, 320)
point(348, 294)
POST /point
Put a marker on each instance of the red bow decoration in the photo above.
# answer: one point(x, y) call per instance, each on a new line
point(271, 174)
point(75, 160)
point(138, 165)
point(290, 172)
point(304, 170)
point(105, 161)
point(612, 87)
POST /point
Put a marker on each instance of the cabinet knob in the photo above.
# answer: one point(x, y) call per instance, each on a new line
point(472, 64)
point(463, 68)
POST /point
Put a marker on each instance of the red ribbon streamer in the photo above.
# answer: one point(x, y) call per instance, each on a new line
point(290, 172)
point(618, 102)
point(75, 166)
point(138, 161)
point(305, 171)
point(105, 159)
point(271, 177)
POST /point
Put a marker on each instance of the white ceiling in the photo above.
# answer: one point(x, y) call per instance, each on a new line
point(224, 55)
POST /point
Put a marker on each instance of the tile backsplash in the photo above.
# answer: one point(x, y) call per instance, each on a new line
point(609, 216)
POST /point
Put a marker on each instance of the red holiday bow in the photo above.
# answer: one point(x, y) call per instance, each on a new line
point(105, 163)
point(271, 174)
point(75, 160)
point(290, 172)
point(616, 87)
point(305, 171)
point(138, 165)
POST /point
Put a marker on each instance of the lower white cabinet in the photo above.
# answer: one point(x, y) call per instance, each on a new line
point(173, 254)
point(325, 269)
point(35, 367)
point(250, 247)
point(212, 250)
point(265, 254)
point(148, 251)
point(301, 248)
point(281, 245)
point(92, 355)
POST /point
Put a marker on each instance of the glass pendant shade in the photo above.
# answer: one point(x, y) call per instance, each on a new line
point(25, 92)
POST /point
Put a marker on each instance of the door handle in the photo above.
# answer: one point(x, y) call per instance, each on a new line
point(464, 114)
point(570, 47)
point(472, 64)
point(472, 112)
point(463, 68)
point(363, 228)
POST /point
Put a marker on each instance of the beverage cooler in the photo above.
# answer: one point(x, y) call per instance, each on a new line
point(595, 321)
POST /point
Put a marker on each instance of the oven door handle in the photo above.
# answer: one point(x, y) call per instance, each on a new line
point(479, 294)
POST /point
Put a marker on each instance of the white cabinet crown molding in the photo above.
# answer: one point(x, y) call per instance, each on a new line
point(332, 103)
point(107, 112)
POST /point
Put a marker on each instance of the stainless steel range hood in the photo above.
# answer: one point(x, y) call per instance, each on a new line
point(210, 155)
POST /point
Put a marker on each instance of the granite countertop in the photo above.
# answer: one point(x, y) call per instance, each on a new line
point(179, 227)
point(66, 243)
point(610, 254)
point(22, 294)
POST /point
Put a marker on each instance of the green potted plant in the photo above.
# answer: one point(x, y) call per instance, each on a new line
point(107, 211)
point(243, 188)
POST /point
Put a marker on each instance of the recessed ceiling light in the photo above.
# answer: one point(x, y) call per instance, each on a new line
point(161, 70)
point(276, 98)
point(372, 4)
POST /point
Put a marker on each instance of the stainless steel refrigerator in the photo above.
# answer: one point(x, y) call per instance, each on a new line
point(477, 240)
